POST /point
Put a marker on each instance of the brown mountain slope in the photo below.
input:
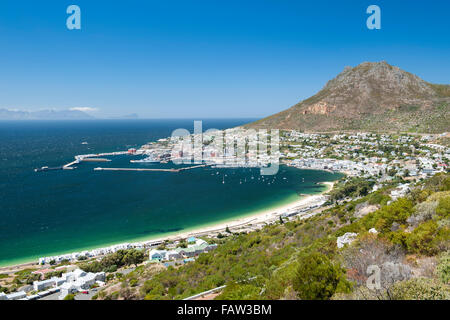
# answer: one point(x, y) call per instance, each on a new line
point(370, 96)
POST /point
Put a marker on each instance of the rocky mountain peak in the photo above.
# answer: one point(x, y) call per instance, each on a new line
point(371, 91)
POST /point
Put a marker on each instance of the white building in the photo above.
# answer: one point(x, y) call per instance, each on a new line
point(79, 280)
point(16, 295)
point(42, 285)
point(155, 254)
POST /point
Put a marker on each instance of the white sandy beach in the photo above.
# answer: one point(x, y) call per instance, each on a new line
point(260, 217)
point(257, 218)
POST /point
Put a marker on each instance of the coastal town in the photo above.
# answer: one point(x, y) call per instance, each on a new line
point(401, 159)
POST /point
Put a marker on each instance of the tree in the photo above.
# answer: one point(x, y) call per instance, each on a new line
point(69, 297)
point(317, 277)
point(134, 257)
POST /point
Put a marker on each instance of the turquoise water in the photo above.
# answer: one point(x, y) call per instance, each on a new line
point(57, 212)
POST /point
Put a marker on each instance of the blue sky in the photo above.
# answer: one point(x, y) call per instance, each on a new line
point(203, 59)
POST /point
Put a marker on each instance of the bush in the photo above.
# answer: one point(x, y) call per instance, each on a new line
point(133, 282)
point(355, 187)
point(317, 278)
point(69, 297)
point(370, 250)
point(114, 261)
point(443, 268)
point(424, 212)
point(235, 291)
point(426, 238)
point(443, 208)
point(420, 289)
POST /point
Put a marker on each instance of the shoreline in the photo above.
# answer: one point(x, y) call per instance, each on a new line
point(259, 217)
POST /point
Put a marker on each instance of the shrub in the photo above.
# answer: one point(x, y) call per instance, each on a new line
point(443, 268)
point(443, 208)
point(317, 277)
point(426, 238)
point(133, 282)
point(235, 291)
point(420, 289)
point(424, 212)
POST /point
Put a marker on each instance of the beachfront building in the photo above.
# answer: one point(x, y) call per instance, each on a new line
point(13, 296)
point(173, 255)
point(79, 280)
point(155, 254)
point(70, 282)
point(195, 250)
point(196, 247)
point(92, 253)
point(45, 284)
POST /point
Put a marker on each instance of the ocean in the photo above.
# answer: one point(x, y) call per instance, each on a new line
point(55, 212)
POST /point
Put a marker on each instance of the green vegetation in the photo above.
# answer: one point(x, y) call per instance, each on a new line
point(318, 278)
point(299, 259)
point(114, 261)
point(25, 276)
point(443, 268)
point(354, 187)
point(420, 289)
point(69, 297)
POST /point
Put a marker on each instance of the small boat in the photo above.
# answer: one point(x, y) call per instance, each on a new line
point(84, 142)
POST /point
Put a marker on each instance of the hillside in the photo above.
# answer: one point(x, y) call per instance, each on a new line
point(410, 245)
point(370, 96)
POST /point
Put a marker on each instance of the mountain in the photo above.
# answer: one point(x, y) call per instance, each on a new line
point(6, 114)
point(372, 96)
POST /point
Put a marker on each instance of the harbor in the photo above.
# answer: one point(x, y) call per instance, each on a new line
point(87, 158)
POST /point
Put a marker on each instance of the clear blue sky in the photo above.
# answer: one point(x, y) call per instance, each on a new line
point(200, 59)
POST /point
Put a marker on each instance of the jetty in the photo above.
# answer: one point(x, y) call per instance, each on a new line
point(149, 170)
point(95, 160)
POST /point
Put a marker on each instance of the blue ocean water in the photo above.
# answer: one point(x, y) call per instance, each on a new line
point(44, 213)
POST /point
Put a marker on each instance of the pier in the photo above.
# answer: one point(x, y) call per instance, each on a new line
point(144, 169)
point(70, 164)
point(96, 158)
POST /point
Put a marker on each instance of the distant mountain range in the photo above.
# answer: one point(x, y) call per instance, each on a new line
point(49, 114)
point(6, 114)
point(371, 96)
